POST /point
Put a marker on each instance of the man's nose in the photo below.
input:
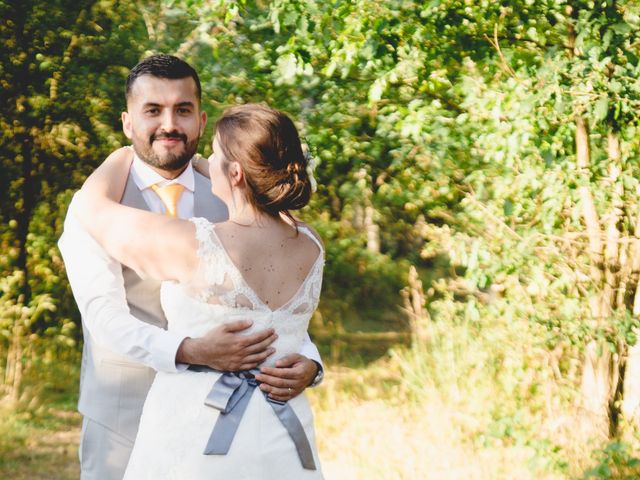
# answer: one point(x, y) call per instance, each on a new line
point(169, 123)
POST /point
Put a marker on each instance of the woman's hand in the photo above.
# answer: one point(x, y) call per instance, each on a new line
point(291, 375)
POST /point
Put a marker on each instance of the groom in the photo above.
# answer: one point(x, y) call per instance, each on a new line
point(124, 328)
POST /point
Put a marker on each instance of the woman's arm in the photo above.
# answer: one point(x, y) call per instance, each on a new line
point(201, 164)
point(154, 245)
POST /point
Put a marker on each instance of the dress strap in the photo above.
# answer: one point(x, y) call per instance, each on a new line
point(307, 231)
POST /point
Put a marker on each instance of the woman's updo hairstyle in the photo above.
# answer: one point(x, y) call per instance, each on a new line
point(265, 142)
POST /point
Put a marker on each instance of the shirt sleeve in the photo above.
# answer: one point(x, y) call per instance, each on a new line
point(98, 287)
point(309, 350)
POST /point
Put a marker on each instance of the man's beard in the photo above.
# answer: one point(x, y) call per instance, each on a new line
point(168, 161)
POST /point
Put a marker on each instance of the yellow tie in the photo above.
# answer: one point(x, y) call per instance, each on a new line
point(169, 194)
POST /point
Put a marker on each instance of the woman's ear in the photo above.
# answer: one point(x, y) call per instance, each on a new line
point(236, 174)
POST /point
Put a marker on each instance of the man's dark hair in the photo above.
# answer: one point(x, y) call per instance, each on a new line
point(162, 66)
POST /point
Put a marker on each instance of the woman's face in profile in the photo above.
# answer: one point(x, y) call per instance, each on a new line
point(220, 184)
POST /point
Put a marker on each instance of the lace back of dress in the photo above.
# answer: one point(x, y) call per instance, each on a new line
point(219, 282)
point(215, 281)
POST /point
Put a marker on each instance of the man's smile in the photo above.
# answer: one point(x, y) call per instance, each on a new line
point(169, 139)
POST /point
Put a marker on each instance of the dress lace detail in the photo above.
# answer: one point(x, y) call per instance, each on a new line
point(209, 251)
point(223, 283)
point(219, 293)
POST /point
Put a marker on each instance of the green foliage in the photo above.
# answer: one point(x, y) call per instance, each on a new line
point(615, 461)
point(357, 280)
point(445, 135)
point(60, 97)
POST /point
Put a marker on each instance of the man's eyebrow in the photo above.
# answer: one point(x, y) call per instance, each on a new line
point(181, 104)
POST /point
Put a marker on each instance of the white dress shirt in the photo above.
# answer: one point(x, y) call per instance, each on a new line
point(98, 285)
point(144, 177)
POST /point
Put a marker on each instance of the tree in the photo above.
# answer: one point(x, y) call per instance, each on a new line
point(60, 97)
point(452, 113)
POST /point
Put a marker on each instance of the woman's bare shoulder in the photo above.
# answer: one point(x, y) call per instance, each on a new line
point(311, 230)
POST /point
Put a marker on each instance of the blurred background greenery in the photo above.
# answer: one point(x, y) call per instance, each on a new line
point(478, 196)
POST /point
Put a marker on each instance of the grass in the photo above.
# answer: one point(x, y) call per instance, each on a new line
point(389, 419)
point(39, 436)
point(39, 446)
point(367, 429)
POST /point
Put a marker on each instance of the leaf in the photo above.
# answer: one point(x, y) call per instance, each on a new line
point(287, 66)
point(376, 90)
point(621, 28)
point(507, 207)
point(601, 108)
point(615, 86)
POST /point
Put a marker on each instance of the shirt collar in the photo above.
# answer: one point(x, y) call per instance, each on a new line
point(144, 176)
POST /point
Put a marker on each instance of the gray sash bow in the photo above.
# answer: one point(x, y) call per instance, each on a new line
point(230, 395)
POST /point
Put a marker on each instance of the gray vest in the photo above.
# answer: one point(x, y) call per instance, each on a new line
point(113, 387)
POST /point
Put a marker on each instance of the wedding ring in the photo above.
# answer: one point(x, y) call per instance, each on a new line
point(290, 390)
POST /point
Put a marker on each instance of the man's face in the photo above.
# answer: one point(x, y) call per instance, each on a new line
point(164, 122)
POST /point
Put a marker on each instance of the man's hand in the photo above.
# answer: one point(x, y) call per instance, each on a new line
point(223, 349)
point(291, 375)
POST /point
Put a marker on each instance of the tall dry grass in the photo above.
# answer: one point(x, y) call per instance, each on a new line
point(469, 399)
point(373, 423)
point(367, 429)
point(472, 398)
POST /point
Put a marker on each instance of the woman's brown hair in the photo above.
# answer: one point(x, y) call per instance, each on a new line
point(265, 142)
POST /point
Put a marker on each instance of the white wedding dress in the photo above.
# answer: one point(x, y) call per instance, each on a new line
point(176, 424)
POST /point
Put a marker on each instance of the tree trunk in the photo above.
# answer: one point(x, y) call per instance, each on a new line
point(596, 371)
point(358, 216)
point(372, 229)
point(13, 368)
point(589, 212)
point(630, 407)
point(612, 236)
point(614, 258)
point(416, 307)
point(16, 383)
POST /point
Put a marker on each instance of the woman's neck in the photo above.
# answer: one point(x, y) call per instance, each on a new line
point(247, 216)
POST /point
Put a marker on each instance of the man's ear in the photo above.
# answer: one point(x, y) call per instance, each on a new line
point(203, 122)
point(127, 128)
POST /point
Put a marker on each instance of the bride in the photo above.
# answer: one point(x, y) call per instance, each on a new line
point(261, 264)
